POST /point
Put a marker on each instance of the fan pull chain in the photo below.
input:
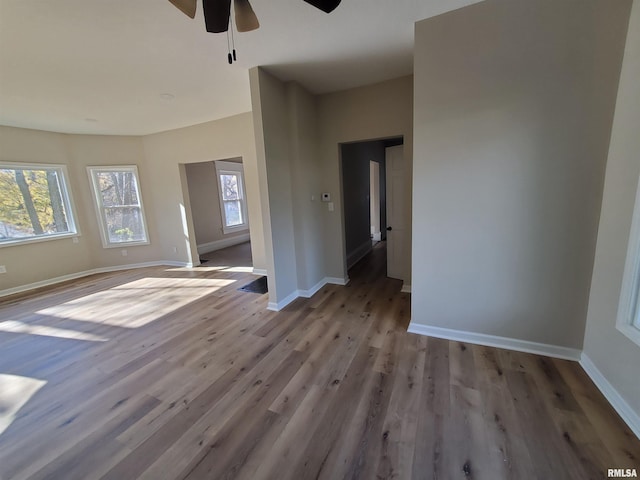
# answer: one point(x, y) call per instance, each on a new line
point(233, 43)
point(229, 57)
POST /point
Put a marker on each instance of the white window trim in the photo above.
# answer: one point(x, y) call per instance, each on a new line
point(235, 168)
point(97, 203)
point(629, 304)
point(67, 198)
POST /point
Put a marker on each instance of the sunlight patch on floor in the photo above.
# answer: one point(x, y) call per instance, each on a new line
point(15, 391)
point(14, 326)
point(137, 303)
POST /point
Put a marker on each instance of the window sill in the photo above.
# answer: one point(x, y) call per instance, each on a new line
point(45, 238)
point(629, 331)
point(126, 244)
point(236, 229)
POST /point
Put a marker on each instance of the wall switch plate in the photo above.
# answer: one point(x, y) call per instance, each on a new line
point(3, 269)
point(326, 197)
point(75, 240)
point(330, 206)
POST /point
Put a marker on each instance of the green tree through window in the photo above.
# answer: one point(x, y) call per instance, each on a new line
point(34, 202)
point(119, 205)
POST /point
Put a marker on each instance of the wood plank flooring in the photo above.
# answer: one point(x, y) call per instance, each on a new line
point(171, 373)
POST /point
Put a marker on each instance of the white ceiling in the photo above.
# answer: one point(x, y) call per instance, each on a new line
point(102, 66)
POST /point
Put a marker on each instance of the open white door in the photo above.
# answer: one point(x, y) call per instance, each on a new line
point(396, 211)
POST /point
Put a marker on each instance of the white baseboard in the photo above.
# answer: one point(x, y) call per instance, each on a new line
point(222, 243)
point(326, 280)
point(337, 280)
point(277, 306)
point(313, 290)
point(359, 253)
point(555, 351)
point(630, 417)
point(86, 273)
point(406, 288)
point(260, 271)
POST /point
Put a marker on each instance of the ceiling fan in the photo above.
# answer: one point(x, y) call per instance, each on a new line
point(217, 12)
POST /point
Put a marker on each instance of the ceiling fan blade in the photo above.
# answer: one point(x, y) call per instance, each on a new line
point(188, 7)
point(246, 19)
point(326, 6)
point(216, 15)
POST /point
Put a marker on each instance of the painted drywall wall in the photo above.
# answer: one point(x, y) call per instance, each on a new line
point(270, 113)
point(298, 139)
point(37, 262)
point(158, 158)
point(205, 203)
point(286, 120)
point(611, 352)
point(377, 111)
point(231, 137)
point(306, 175)
point(512, 124)
point(95, 150)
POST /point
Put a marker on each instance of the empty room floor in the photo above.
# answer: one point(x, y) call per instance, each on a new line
point(172, 373)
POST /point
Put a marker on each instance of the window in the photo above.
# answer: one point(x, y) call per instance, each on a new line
point(232, 199)
point(119, 205)
point(35, 203)
point(628, 321)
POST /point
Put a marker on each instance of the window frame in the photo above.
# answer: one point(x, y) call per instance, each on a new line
point(67, 200)
point(100, 208)
point(628, 318)
point(236, 168)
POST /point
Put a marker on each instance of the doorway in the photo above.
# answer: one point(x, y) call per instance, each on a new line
point(217, 199)
point(365, 198)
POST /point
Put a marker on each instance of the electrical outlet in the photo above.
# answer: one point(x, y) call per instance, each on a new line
point(75, 240)
point(175, 249)
point(124, 253)
point(3, 269)
point(330, 206)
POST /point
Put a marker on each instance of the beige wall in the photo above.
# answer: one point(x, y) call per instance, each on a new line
point(205, 204)
point(271, 119)
point(40, 261)
point(158, 158)
point(306, 177)
point(298, 139)
point(512, 124)
point(367, 113)
point(37, 261)
point(91, 150)
point(614, 354)
point(217, 140)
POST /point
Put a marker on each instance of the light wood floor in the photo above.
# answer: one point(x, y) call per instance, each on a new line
point(170, 373)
